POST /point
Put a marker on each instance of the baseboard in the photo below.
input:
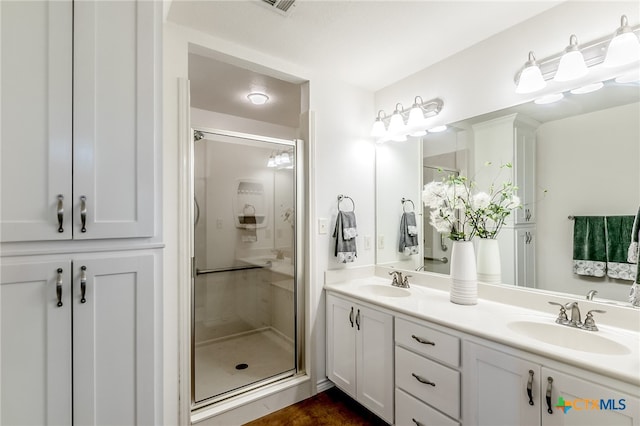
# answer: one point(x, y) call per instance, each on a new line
point(324, 385)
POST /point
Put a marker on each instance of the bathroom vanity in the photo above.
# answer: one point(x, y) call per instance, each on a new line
point(501, 361)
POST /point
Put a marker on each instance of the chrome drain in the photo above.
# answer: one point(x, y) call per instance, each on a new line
point(242, 366)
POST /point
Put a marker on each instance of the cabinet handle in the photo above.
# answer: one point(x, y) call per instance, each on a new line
point(351, 317)
point(60, 211)
point(417, 422)
point(358, 319)
point(83, 213)
point(530, 387)
point(423, 341)
point(423, 380)
point(83, 284)
point(548, 395)
point(59, 287)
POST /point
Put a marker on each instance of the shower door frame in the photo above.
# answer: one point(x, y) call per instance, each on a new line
point(299, 296)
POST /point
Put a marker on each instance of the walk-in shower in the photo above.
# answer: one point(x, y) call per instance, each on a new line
point(246, 310)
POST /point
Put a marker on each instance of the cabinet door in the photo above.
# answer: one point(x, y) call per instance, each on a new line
point(36, 119)
point(496, 388)
point(524, 172)
point(525, 257)
point(35, 344)
point(591, 404)
point(113, 341)
point(341, 344)
point(115, 47)
point(374, 351)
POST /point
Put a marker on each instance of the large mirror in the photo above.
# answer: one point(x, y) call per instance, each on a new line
point(585, 162)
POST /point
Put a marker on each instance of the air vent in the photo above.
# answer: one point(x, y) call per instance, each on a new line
point(283, 7)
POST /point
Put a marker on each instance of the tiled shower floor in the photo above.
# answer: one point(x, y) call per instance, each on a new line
point(264, 351)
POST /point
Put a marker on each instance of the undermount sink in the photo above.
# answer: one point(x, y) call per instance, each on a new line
point(385, 290)
point(568, 337)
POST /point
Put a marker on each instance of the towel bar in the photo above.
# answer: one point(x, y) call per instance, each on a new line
point(342, 197)
point(407, 200)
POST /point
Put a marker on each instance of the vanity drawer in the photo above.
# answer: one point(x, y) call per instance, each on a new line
point(412, 411)
point(425, 340)
point(435, 384)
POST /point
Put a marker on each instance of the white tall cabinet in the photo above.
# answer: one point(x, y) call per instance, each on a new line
point(511, 139)
point(80, 254)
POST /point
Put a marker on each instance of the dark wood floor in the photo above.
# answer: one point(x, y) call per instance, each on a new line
point(331, 407)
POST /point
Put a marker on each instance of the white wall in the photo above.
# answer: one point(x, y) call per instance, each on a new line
point(587, 169)
point(341, 162)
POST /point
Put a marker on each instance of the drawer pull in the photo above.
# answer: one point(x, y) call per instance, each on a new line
point(351, 317)
point(423, 341)
point(529, 387)
point(423, 380)
point(358, 319)
point(548, 395)
point(417, 422)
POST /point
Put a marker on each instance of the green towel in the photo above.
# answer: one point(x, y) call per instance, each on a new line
point(589, 238)
point(618, 232)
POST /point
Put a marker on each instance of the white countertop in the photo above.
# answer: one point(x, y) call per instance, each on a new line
point(489, 320)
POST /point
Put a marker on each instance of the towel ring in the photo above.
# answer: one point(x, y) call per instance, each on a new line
point(342, 197)
point(404, 202)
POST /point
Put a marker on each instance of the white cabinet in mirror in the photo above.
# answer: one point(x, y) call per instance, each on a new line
point(582, 160)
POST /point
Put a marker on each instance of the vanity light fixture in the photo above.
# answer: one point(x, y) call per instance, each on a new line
point(258, 98)
point(624, 47)
point(612, 53)
point(271, 163)
point(280, 160)
point(530, 79)
point(572, 65)
point(416, 120)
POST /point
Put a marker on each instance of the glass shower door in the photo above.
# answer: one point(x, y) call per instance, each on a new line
point(244, 288)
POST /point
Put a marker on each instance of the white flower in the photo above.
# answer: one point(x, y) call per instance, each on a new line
point(440, 219)
point(434, 194)
point(480, 201)
point(457, 194)
point(513, 203)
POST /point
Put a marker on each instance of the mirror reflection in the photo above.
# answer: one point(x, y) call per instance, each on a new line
point(582, 160)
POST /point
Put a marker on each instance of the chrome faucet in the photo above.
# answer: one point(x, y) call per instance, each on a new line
point(591, 294)
point(397, 280)
point(575, 320)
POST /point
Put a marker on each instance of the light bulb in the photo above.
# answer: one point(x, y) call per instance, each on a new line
point(378, 130)
point(572, 65)
point(531, 79)
point(396, 125)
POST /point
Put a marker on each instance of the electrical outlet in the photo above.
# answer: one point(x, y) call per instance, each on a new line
point(381, 242)
point(367, 242)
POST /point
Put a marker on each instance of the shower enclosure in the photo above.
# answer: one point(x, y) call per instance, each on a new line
point(245, 297)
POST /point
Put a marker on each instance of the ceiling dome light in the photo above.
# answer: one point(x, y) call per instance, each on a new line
point(588, 88)
point(378, 130)
point(258, 98)
point(624, 47)
point(531, 79)
point(572, 64)
point(548, 99)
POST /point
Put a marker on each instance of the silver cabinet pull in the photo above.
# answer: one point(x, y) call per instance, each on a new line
point(83, 213)
point(548, 394)
point(530, 387)
point(83, 284)
point(59, 287)
point(358, 319)
point(423, 341)
point(60, 211)
point(423, 380)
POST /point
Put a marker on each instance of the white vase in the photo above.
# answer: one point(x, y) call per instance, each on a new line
point(488, 261)
point(464, 279)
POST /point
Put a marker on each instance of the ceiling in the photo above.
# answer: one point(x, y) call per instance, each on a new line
point(370, 44)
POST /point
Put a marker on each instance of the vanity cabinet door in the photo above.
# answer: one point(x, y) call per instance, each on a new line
point(497, 385)
point(341, 344)
point(592, 404)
